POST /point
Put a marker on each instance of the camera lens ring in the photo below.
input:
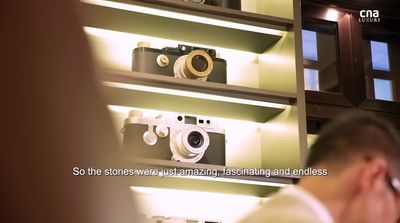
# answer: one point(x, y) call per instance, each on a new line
point(182, 150)
point(184, 145)
point(199, 63)
point(193, 68)
point(195, 139)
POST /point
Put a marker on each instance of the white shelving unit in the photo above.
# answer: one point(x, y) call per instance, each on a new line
point(262, 105)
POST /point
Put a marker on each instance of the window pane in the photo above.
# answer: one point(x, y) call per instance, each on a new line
point(311, 79)
point(383, 89)
point(321, 54)
point(310, 45)
point(380, 56)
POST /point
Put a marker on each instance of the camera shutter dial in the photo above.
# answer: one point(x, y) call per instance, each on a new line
point(135, 113)
point(143, 44)
point(162, 60)
point(149, 137)
point(162, 131)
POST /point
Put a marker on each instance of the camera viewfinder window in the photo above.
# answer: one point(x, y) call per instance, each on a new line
point(320, 55)
point(310, 45)
point(190, 120)
point(383, 89)
point(311, 79)
point(380, 56)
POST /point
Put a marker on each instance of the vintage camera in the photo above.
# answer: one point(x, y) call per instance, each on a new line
point(162, 219)
point(232, 4)
point(184, 61)
point(174, 137)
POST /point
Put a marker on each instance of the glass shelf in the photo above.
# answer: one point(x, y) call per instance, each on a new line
point(193, 97)
point(259, 186)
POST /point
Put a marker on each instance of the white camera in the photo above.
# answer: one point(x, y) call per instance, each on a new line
point(175, 137)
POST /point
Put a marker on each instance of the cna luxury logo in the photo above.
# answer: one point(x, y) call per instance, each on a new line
point(369, 16)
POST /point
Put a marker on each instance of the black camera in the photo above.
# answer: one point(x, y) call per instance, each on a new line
point(184, 61)
point(232, 4)
point(174, 137)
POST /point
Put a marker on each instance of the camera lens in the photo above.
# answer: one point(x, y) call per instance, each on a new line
point(199, 63)
point(189, 143)
point(195, 139)
point(195, 65)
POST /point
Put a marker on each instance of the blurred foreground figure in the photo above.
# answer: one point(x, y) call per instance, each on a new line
point(362, 156)
point(55, 120)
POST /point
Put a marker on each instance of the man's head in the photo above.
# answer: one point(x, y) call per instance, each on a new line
point(362, 155)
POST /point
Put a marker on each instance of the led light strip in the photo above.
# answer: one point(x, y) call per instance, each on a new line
point(152, 190)
point(186, 17)
point(193, 94)
point(230, 180)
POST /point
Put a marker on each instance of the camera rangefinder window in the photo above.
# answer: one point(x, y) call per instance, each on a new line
point(190, 120)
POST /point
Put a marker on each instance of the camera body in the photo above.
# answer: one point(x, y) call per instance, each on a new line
point(174, 137)
point(187, 62)
point(232, 4)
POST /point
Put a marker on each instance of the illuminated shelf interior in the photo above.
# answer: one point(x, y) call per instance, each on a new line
point(246, 31)
point(194, 97)
point(259, 104)
point(194, 204)
point(259, 186)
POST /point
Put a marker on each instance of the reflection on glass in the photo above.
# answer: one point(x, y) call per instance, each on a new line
point(380, 56)
point(310, 45)
point(311, 79)
point(311, 138)
point(383, 89)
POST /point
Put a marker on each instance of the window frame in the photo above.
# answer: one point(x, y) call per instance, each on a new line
point(316, 24)
point(312, 13)
point(356, 93)
point(393, 74)
point(383, 33)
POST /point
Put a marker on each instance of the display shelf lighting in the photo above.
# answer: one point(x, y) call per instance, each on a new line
point(232, 180)
point(182, 16)
point(176, 193)
point(193, 94)
point(195, 204)
point(332, 15)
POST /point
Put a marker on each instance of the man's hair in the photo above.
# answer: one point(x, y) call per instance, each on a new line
point(353, 135)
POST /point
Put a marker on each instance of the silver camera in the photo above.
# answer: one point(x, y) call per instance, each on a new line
point(174, 137)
